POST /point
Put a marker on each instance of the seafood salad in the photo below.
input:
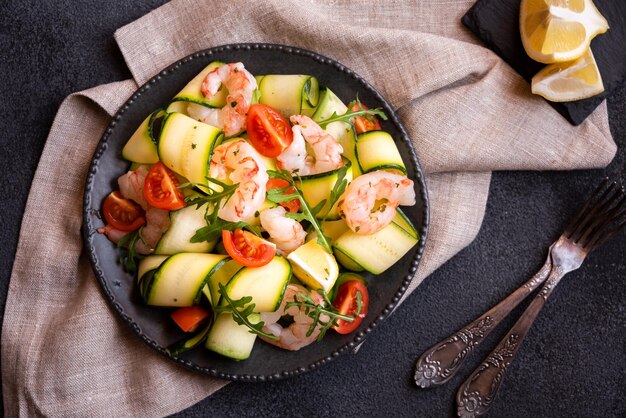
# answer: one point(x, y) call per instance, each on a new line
point(252, 207)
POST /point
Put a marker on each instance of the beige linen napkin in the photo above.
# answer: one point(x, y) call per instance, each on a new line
point(64, 352)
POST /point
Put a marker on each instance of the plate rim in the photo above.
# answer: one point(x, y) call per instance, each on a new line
point(88, 230)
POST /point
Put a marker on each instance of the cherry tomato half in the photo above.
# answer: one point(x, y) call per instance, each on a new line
point(189, 317)
point(346, 304)
point(122, 214)
point(294, 204)
point(161, 188)
point(269, 131)
point(248, 249)
point(362, 124)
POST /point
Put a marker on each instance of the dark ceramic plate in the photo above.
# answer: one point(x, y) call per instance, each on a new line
point(153, 325)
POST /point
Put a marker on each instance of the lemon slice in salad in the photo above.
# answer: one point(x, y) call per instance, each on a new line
point(559, 30)
point(568, 81)
point(314, 266)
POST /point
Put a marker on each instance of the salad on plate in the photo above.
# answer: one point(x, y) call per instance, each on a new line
point(251, 206)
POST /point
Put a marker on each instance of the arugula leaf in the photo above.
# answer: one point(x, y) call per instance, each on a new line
point(357, 102)
point(280, 195)
point(128, 258)
point(347, 117)
point(213, 200)
point(214, 196)
point(241, 309)
point(315, 311)
point(214, 230)
point(338, 189)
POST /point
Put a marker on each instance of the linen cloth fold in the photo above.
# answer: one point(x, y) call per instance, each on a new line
point(466, 111)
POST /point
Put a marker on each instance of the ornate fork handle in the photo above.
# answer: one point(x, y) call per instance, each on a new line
point(439, 363)
point(476, 394)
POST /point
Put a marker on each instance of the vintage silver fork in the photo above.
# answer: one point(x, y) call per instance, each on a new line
point(597, 221)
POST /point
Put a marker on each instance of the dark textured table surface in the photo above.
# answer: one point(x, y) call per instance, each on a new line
point(573, 362)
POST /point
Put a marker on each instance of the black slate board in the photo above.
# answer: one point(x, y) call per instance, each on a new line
point(496, 23)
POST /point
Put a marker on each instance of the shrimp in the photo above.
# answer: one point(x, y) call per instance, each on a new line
point(326, 150)
point(131, 185)
point(294, 336)
point(370, 201)
point(240, 163)
point(157, 220)
point(241, 85)
point(285, 232)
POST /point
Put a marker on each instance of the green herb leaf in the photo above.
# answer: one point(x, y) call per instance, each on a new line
point(214, 230)
point(297, 216)
point(347, 117)
point(129, 258)
point(277, 196)
point(338, 189)
point(315, 311)
point(241, 309)
point(256, 96)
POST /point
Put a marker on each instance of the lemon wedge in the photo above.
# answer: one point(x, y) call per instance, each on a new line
point(569, 81)
point(559, 30)
point(314, 266)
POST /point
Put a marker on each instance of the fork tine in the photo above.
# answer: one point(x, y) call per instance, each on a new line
point(600, 217)
point(604, 231)
point(577, 223)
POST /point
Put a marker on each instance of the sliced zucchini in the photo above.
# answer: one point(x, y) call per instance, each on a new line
point(230, 339)
point(290, 94)
point(141, 147)
point(266, 285)
point(343, 132)
point(317, 187)
point(376, 252)
point(345, 260)
point(148, 263)
point(180, 279)
point(192, 91)
point(221, 276)
point(183, 225)
point(376, 150)
point(189, 343)
point(185, 146)
point(405, 223)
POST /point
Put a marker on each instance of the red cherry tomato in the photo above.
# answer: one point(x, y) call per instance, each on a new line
point(346, 304)
point(294, 204)
point(161, 188)
point(362, 124)
point(188, 318)
point(248, 249)
point(122, 214)
point(269, 132)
